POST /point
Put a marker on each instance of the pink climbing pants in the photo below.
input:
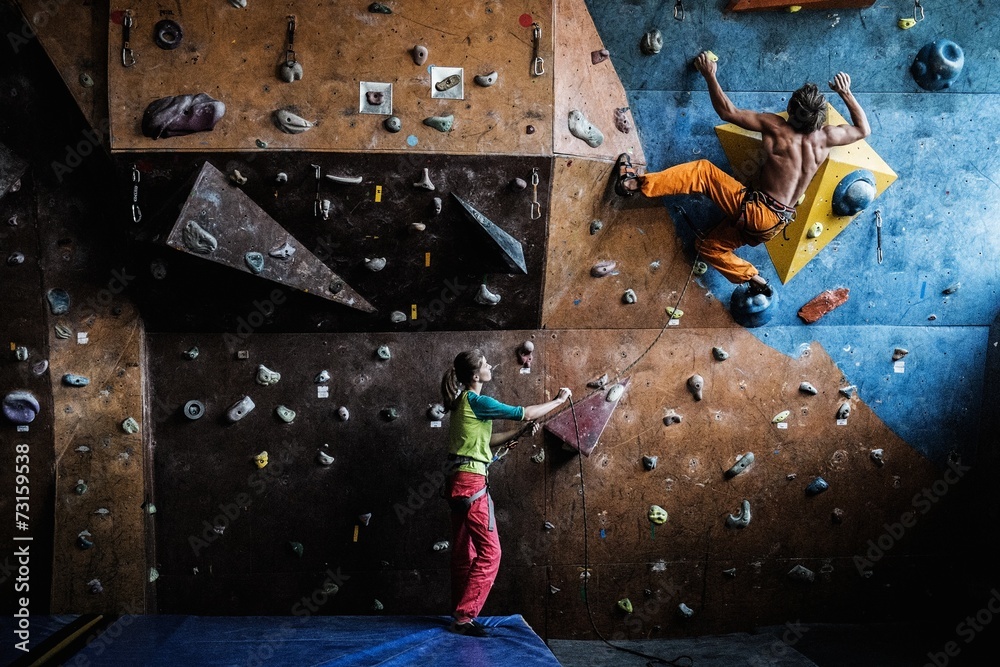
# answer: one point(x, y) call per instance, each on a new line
point(475, 555)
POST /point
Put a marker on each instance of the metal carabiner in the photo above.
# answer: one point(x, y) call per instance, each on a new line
point(878, 234)
point(918, 11)
point(128, 56)
point(290, 49)
point(679, 10)
point(537, 65)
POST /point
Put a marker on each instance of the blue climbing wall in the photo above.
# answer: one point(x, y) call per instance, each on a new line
point(939, 218)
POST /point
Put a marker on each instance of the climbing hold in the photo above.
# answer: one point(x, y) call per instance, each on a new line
point(158, 269)
point(130, 425)
point(62, 332)
point(807, 388)
point(952, 288)
point(674, 313)
point(651, 43)
point(15, 258)
point(343, 414)
point(283, 252)
point(657, 515)
point(191, 353)
point(198, 240)
point(719, 354)
point(906, 23)
point(742, 519)
point(389, 414)
point(583, 129)
point(425, 182)
point(290, 70)
point(485, 297)
point(40, 366)
point(238, 178)
point(254, 261)
point(285, 414)
point(603, 268)
point(629, 296)
point(58, 301)
point(291, 123)
point(685, 611)
point(485, 80)
point(649, 462)
point(282, 177)
point(801, 573)
point(854, 193)
point(599, 56)
point(323, 458)
point(731, 572)
point(419, 53)
point(539, 456)
point(102, 511)
point(525, 353)
point(441, 545)
point(435, 412)
point(296, 548)
point(383, 353)
point(615, 393)
point(938, 64)
point(781, 416)
point(392, 124)
point(815, 230)
point(625, 605)
point(375, 264)
point(365, 518)
point(823, 303)
point(878, 456)
point(149, 507)
point(440, 123)
point(548, 525)
point(699, 268)
point(622, 122)
point(181, 114)
point(397, 317)
point(324, 208)
point(240, 409)
point(848, 391)
point(696, 385)
point(345, 180)
point(436, 206)
point(598, 383)
point(266, 377)
point(194, 410)
point(517, 184)
point(379, 8)
point(742, 463)
point(375, 97)
point(817, 486)
point(448, 83)
point(95, 587)
point(71, 380)
point(83, 540)
point(595, 226)
point(86, 80)
point(261, 143)
point(837, 516)
point(899, 353)
point(671, 418)
point(260, 460)
point(845, 411)
point(751, 310)
point(81, 487)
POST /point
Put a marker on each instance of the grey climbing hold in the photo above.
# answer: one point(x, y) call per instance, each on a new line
point(848, 391)
point(62, 332)
point(425, 182)
point(383, 353)
point(742, 463)
point(365, 518)
point(878, 456)
point(435, 412)
point(194, 410)
point(595, 226)
point(86, 80)
point(583, 129)
point(685, 611)
point(845, 411)
point(539, 456)
point(261, 143)
point(671, 418)
point(441, 545)
point(952, 288)
point(71, 380)
point(323, 377)
point(191, 353)
point(83, 540)
point(599, 56)
point(154, 574)
point(375, 97)
point(40, 366)
point(448, 83)
point(291, 123)
point(21, 353)
point(615, 393)
point(283, 252)
point(436, 206)
point(254, 261)
point(377, 606)
point(719, 354)
point(485, 297)
point(419, 53)
point(379, 8)
point(625, 605)
point(81, 487)
point(629, 296)
point(266, 377)
point(282, 177)
point(598, 383)
point(651, 43)
point(323, 458)
point(296, 548)
point(58, 301)
point(603, 268)
point(102, 511)
point(837, 516)
point(657, 515)
point(346, 180)
point(389, 414)
point(807, 388)
point(285, 414)
point(15, 258)
point(742, 519)
point(198, 240)
point(649, 462)
point(699, 268)
point(374, 264)
point(696, 385)
point(485, 80)
point(130, 425)
point(517, 184)
point(622, 122)
point(290, 70)
point(440, 123)
point(801, 573)
point(343, 414)
point(817, 486)
point(899, 353)
point(95, 587)
point(392, 124)
point(240, 409)
point(397, 317)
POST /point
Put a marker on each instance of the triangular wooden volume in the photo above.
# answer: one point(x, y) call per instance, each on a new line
point(244, 237)
point(510, 248)
point(592, 416)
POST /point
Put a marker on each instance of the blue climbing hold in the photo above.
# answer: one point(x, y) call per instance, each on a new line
point(938, 64)
point(817, 486)
point(21, 407)
point(854, 192)
point(751, 310)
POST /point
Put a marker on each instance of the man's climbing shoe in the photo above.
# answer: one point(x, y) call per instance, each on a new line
point(625, 173)
point(469, 629)
point(755, 288)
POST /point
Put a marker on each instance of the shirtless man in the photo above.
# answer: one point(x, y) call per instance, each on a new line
point(793, 152)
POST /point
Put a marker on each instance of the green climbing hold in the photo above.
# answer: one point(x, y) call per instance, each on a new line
point(625, 605)
point(296, 548)
point(440, 123)
point(286, 415)
point(255, 261)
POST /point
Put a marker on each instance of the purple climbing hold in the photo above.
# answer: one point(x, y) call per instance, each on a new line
point(179, 115)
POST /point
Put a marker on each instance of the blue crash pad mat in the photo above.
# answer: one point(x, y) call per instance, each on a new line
point(319, 641)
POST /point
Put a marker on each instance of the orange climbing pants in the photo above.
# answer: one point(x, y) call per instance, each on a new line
point(475, 552)
point(752, 224)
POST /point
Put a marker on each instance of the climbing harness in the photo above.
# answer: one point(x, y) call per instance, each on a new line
point(786, 215)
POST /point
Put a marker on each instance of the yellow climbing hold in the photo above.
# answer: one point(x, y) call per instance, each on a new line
point(711, 56)
point(907, 23)
point(261, 459)
point(625, 605)
point(781, 416)
point(674, 313)
point(794, 8)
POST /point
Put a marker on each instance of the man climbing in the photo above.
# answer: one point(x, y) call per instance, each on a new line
point(793, 151)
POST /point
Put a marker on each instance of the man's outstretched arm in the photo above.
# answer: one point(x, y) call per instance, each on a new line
point(729, 112)
point(841, 135)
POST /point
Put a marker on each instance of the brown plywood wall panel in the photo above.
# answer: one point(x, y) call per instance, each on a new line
point(644, 243)
point(233, 54)
point(761, 5)
point(593, 89)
